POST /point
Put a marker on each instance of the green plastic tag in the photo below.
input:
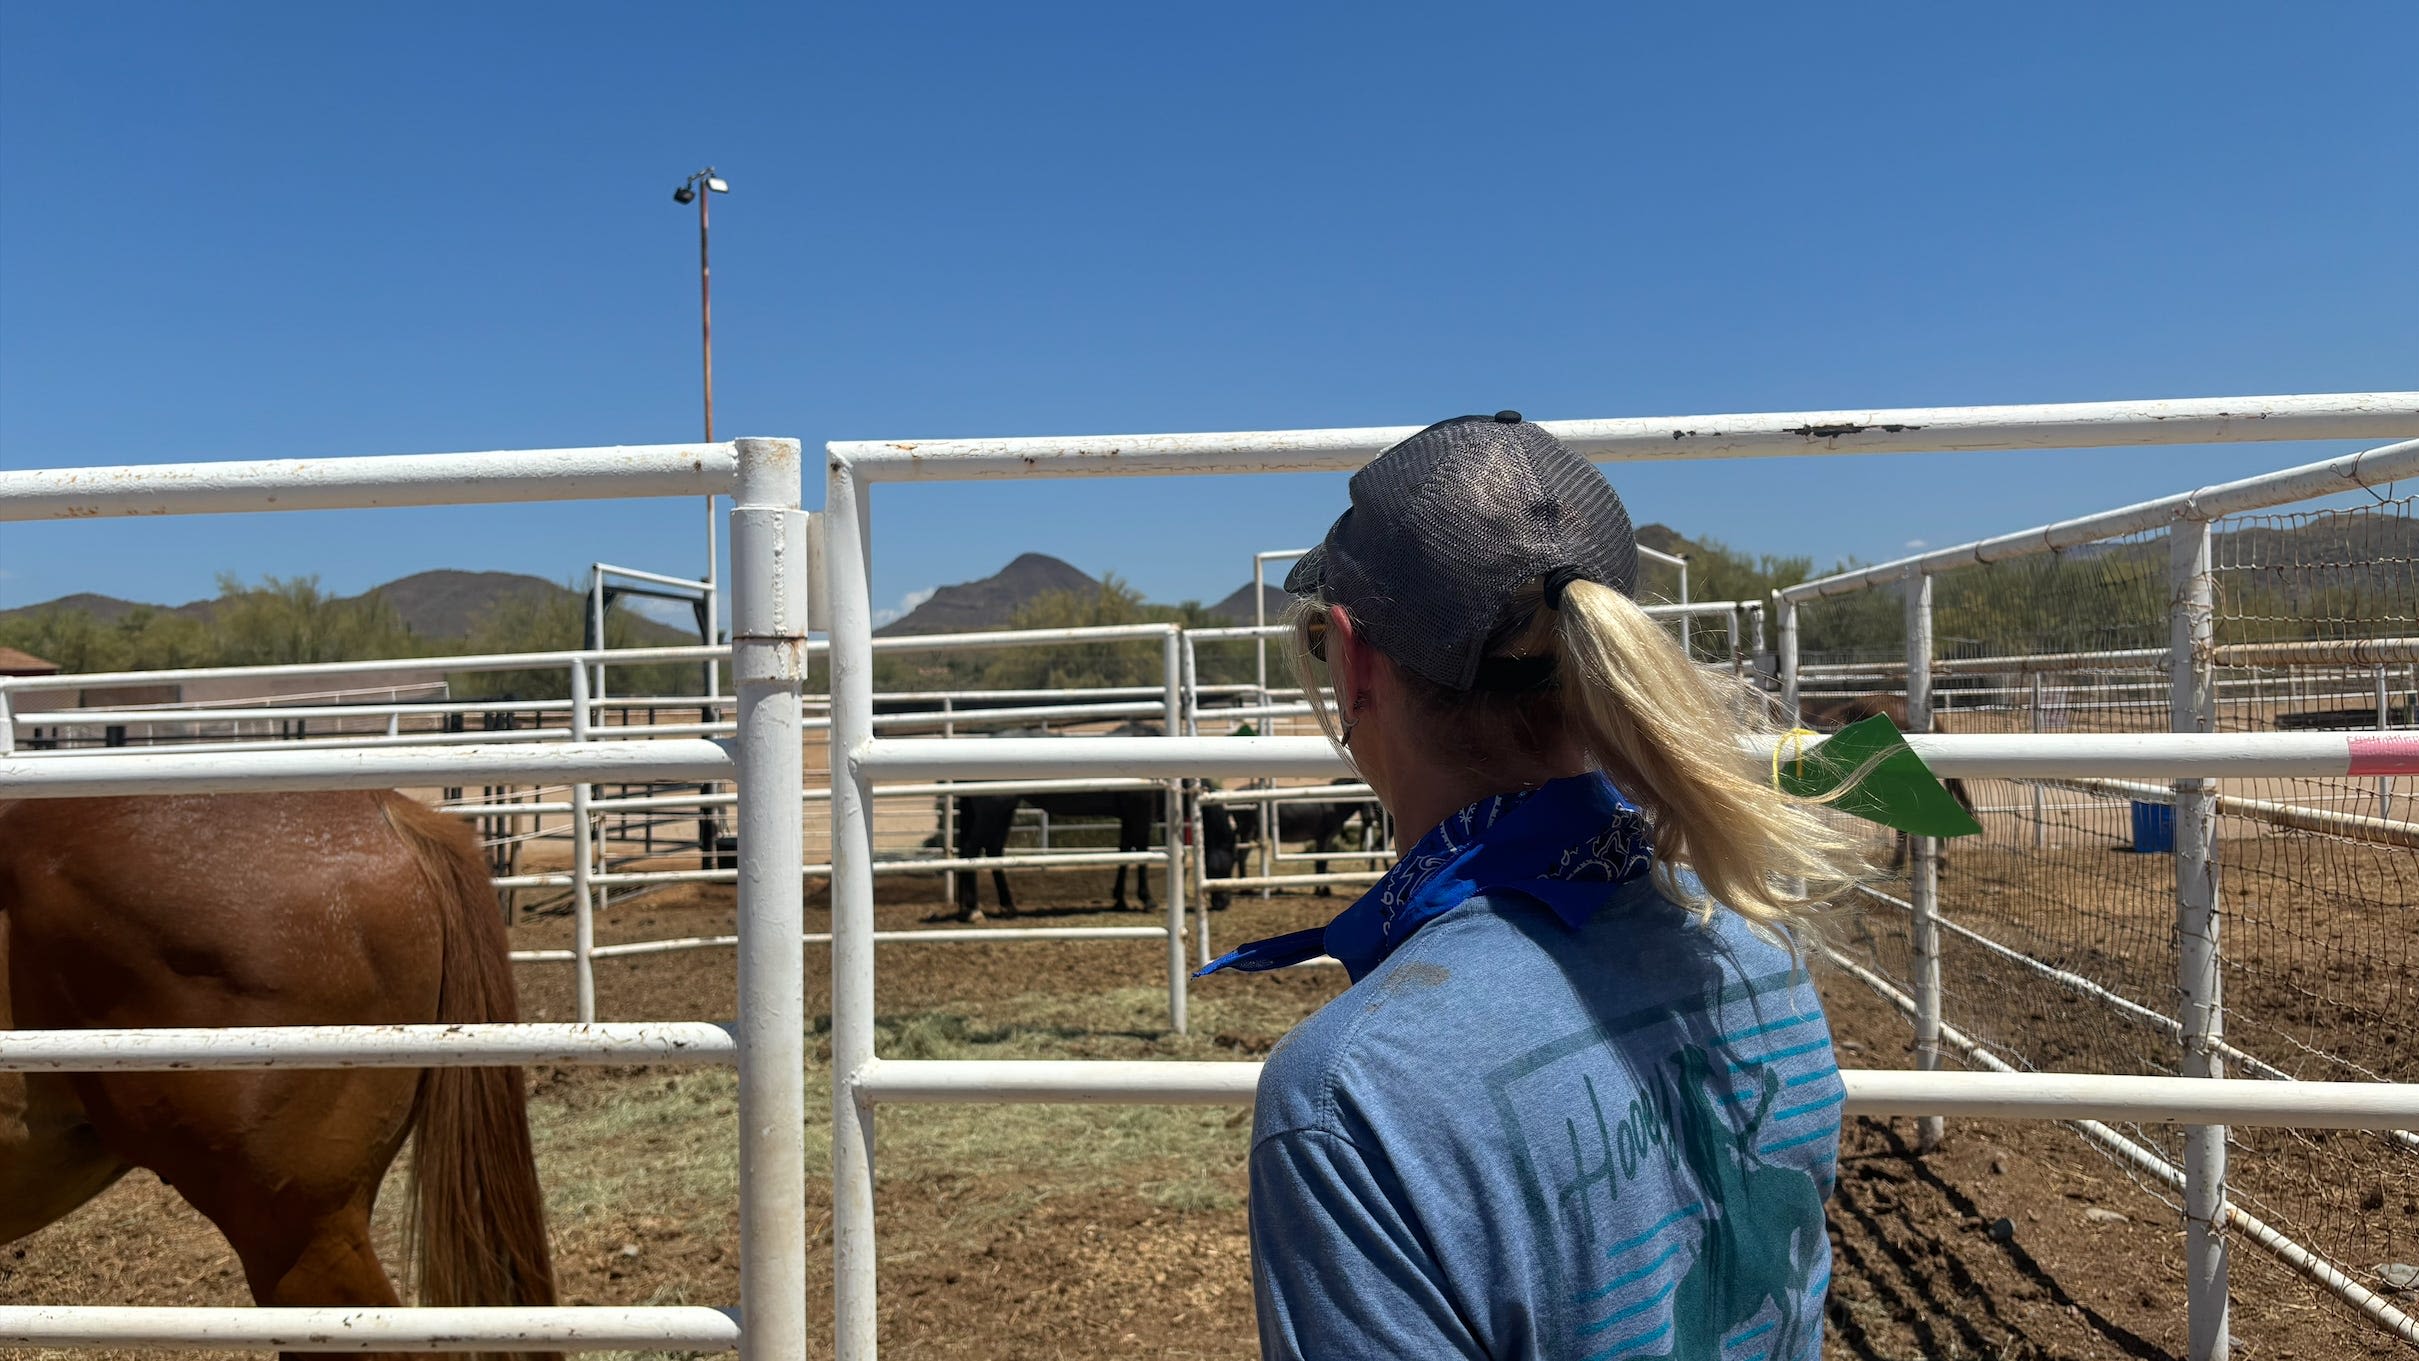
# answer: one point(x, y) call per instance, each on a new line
point(1899, 790)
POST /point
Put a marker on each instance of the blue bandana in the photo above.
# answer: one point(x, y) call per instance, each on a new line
point(1564, 844)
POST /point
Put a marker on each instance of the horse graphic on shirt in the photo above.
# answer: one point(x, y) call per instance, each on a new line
point(1762, 1229)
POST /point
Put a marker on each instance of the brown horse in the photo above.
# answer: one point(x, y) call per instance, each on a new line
point(263, 910)
point(1831, 715)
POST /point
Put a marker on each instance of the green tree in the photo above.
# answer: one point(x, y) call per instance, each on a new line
point(152, 639)
point(71, 638)
point(287, 620)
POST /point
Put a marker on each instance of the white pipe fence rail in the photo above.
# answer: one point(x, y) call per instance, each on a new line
point(1904, 430)
point(584, 719)
point(768, 660)
point(365, 1046)
point(595, 1328)
point(862, 1081)
point(1871, 1091)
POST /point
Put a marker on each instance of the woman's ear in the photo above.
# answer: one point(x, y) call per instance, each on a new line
point(1351, 662)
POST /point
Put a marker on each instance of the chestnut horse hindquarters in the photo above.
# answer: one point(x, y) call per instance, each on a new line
point(274, 910)
point(478, 1216)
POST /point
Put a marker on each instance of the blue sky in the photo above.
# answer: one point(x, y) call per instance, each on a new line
point(254, 230)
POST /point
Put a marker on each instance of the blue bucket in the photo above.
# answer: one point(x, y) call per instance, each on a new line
point(2154, 828)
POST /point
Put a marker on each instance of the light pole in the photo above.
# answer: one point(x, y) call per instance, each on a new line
point(700, 189)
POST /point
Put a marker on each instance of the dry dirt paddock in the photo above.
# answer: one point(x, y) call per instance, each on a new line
point(1061, 1233)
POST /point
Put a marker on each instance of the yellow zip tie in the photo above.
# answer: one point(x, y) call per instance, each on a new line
point(1795, 739)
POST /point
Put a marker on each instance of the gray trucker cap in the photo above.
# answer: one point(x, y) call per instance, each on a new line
point(1446, 525)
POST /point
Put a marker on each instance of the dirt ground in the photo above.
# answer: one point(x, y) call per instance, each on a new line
point(1060, 1233)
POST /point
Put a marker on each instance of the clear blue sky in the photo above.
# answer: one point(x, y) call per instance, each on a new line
point(246, 230)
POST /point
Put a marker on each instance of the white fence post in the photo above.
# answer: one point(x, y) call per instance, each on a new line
point(1196, 867)
point(1923, 868)
point(583, 858)
point(2385, 720)
point(2192, 707)
point(769, 571)
point(1171, 662)
point(1788, 657)
point(596, 621)
point(846, 564)
point(1259, 620)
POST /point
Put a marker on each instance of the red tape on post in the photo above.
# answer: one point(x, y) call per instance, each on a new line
point(2385, 754)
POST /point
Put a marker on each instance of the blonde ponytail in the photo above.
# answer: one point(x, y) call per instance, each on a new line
point(1667, 730)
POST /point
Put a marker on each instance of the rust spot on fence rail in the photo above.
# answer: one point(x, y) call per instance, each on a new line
point(1834, 431)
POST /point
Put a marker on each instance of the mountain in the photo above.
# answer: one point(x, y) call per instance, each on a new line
point(449, 604)
point(976, 606)
point(435, 605)
point(1236, 608)
point(106, 609)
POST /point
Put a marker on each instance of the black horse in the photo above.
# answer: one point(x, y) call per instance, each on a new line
point(1224, 827)
point(984, 820)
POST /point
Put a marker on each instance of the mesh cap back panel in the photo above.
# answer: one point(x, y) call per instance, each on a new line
point(1445, 526)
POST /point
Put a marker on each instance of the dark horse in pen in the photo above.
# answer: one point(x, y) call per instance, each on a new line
point(1224, 827)
point(984, 821)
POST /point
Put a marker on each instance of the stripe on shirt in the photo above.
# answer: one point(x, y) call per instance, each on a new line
point(1760, 1060)
point(1630, 1343)
point(1735, 1036)
point(1811, 1107)
point(1825, 1132)
point(1751, 1334)
point(1631, 1310)
point(1634, 1277)
point(1649, 1236)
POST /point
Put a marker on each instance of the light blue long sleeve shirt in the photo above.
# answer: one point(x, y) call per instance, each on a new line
point(1538, 1130)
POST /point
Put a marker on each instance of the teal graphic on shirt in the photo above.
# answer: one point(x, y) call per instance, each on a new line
point(1755, 1249)
point(1702, 1167)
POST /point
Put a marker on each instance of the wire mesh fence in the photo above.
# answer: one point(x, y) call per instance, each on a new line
point(2063, 899)
point(2058, 930)
point(2320, 878)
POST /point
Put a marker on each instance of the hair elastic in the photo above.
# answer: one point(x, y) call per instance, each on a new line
point(1514, 675)
point(1558, 581)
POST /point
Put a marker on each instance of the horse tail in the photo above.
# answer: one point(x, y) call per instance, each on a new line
point(477, 1220)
